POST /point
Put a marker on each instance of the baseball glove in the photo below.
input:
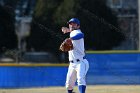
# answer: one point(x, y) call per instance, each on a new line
point(66, 45)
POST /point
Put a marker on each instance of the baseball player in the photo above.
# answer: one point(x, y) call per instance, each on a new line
point(78, 66)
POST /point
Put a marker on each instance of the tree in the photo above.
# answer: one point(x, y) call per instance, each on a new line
point(44, 31)
point(99, 25)
point(65, 11)
point(8, 38)
point(97, 22)
point(43, 27)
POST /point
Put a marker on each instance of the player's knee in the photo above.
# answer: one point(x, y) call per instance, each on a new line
point(81, 81)
point(69, 87)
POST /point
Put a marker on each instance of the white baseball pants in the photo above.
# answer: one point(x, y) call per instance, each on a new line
point(77, 70)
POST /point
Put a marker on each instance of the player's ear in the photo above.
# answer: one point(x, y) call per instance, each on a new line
point(78, 26)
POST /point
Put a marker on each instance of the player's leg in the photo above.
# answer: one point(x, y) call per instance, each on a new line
point(82, 69)
point(71, 79)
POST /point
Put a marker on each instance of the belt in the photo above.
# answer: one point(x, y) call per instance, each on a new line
point(77, 60)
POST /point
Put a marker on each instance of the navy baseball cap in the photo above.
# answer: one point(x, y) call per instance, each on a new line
point(74, 20)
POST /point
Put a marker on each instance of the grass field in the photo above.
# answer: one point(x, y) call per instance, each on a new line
point(90, 89)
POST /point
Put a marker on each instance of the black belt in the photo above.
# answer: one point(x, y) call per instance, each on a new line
point(77, 60)
point(72, 61)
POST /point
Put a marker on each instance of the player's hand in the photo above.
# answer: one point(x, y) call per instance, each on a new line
point(65, 30)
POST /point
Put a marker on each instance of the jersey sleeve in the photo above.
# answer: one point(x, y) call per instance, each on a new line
point(76, 35)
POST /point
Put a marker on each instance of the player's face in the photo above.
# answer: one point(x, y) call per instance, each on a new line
point(73, 26)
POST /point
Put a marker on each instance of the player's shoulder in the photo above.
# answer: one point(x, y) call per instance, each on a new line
point(76, 31)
